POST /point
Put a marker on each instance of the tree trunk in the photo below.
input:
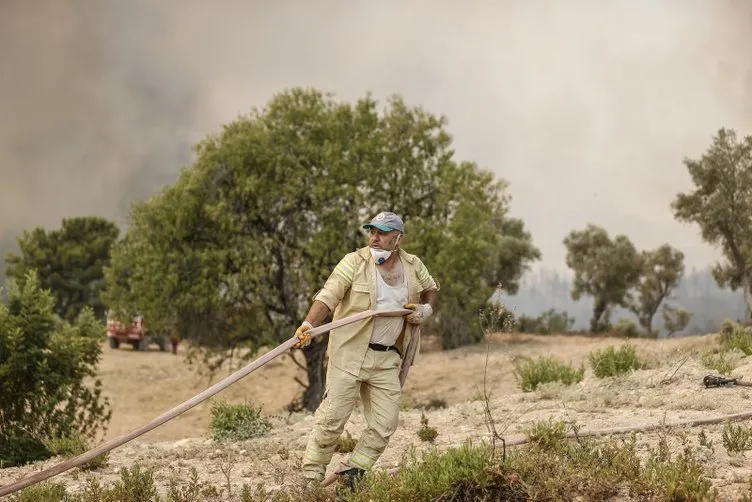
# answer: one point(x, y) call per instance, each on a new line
point(315, 356)
point(746, 285)
point(647, 322)
point(598, 310)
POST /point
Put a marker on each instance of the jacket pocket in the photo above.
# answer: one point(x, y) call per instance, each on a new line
point(360, 296)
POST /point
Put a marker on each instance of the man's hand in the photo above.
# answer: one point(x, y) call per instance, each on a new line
point(303, 336)
point(421, 311)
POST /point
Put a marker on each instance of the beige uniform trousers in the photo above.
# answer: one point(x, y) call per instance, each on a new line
point(380, 391)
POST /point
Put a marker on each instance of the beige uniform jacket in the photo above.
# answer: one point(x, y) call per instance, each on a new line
point(350, 289)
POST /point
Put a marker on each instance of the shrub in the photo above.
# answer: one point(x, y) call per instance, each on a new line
point(46, 491)
point(550, 321)
point(237, 422)
point(735, 336)
point(134, 485)
point(736, 438)
point(626, 328)
point(531, 373)
point(73, 446)
point(426, 433)
point(437, 476)
point(549, 434)
point(723, 361)
point(557, 322)
point(611, 362)
point(44, 362)
point(554, 468)
point(549, 467)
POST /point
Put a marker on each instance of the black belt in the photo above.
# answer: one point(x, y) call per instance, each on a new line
point(383, 348)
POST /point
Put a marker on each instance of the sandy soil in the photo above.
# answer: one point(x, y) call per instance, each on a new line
point(143, 385)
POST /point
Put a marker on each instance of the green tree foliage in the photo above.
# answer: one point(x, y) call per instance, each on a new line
point(606, 269)
point(44, 361)
point(675, 319)
point(662, 270)
point(721, 205)
point(232, 253)
point(69, 261)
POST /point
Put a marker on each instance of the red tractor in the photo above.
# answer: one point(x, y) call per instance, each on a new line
point(135, 334)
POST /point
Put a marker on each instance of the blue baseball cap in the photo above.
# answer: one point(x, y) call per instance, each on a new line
point(386, 221)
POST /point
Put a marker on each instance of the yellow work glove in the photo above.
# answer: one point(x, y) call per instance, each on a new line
point(303, 336)
point(421, 311)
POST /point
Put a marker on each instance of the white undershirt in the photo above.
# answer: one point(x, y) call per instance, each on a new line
point(386, 330)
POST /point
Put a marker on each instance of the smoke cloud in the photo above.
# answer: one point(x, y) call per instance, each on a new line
point(586, 107)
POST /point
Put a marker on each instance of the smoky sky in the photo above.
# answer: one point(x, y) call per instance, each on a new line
point(587, 108)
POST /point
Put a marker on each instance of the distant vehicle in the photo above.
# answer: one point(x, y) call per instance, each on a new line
point(135, 334)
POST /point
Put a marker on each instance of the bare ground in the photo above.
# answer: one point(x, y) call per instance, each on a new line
point(143, 385)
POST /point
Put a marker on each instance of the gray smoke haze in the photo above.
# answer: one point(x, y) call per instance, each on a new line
point(586, 107)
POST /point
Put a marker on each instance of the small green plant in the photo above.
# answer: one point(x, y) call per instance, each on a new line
point(550, 434)
point(426, 433)
point(722, 361)
point(189, 493)
point(134, 485)
point(626, 328)
point(46, 491)
point(736, 438)
point(69, 446)
point(610, 362)
point(555, 468)
point(74, 445)
point(531, 373)
point(703, 440)
point(735, 336)
point(237, 422)
point(681, 478)
point(468, 472)
point(346, 443)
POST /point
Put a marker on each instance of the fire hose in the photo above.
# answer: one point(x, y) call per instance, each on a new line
point(203, 396)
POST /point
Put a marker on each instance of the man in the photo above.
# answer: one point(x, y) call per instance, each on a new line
point(365, 357)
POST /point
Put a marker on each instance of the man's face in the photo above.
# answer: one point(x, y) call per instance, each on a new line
point(383, 240)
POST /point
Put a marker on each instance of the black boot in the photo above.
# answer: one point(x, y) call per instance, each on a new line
point(348, 480)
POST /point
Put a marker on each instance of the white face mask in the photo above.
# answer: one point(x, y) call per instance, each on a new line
point(380, 255)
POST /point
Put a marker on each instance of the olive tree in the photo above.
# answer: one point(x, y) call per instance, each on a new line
point(662, 270)
point(233, 252)
point(604, 268)
point(721, 206)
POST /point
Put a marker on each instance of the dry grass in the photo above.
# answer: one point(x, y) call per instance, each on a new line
point(668, 388)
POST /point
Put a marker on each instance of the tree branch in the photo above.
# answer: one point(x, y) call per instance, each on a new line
point(297, 363)
point(733, 247)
